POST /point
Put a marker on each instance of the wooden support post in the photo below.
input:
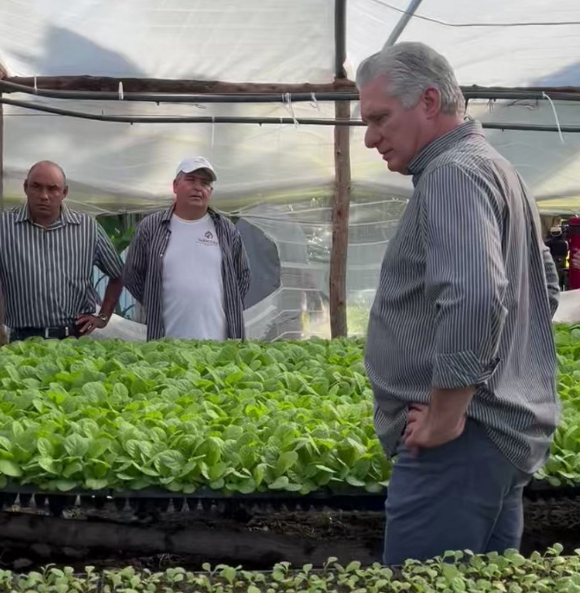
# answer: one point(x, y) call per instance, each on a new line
point(340, 212)
point(2, 75)
point(1, 156)
point(3, 336)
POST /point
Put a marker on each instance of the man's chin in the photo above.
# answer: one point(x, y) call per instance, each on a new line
point(393, 166)
point(397, 167)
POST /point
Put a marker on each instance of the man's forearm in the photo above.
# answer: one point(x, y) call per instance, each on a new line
point(112, 294)
point(449, 406)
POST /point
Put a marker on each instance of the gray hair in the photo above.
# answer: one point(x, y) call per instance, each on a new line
point(52, 164)
point(410, 69)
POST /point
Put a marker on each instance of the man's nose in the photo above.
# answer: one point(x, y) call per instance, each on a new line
point(371, 138)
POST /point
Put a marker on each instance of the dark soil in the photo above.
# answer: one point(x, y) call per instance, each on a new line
point(255, 540)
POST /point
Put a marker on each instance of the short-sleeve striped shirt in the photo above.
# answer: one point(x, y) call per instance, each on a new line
point(466, 296)
point(46, 274)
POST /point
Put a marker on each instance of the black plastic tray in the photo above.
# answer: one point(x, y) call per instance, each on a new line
point(151, 499)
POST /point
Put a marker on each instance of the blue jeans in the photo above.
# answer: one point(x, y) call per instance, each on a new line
point(463, 495)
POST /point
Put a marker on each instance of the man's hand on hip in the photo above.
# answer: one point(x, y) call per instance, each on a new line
point(425, 431)
point(88, 323)
point(442, 421)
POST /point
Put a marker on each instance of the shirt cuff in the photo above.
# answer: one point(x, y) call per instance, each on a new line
point(460, 370)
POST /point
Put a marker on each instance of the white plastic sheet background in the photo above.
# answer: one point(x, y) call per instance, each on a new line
point(121, 167)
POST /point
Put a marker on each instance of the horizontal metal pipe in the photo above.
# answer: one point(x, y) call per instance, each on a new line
point(207, 119)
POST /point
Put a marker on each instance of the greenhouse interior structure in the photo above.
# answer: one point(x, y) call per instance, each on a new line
point(128, 465)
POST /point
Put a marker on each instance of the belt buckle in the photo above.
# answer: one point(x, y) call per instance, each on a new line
point(46, 333)
point(66, 332)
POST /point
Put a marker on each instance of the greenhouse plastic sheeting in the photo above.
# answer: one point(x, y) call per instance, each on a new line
point(288, 247)
point(568, 308)
point(280, 176)
point(119, 328)
point(119, 167)
point(123, 329)
point(490, 43)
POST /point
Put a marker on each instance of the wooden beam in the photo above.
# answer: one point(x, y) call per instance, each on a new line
point(174, 86)
point(340, 214)
point(213, 87)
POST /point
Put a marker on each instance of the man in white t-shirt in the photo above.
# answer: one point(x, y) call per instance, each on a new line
point(187, 265)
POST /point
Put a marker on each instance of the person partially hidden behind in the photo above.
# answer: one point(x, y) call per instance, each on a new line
point(559, 249)
point(187, 265)
point(460, 350)
point(47, 256)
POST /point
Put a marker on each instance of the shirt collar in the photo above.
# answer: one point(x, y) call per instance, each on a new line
point(67, 216)
point(168, 213)
point(443, 144)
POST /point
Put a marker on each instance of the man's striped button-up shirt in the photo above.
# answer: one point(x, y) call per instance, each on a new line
point(46, 274)
point(466, 297)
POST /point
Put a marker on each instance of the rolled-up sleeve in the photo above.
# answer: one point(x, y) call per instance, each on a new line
point(465, 275)
point(106, 257)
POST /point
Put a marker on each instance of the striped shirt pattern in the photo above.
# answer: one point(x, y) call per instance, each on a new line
point(466, 296)
point(144, 271)
point(46, 273)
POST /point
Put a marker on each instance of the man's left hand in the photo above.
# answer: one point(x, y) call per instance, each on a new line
point(88, 323)
point(424, 431)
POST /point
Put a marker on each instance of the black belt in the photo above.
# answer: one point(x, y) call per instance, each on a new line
point(49, 333)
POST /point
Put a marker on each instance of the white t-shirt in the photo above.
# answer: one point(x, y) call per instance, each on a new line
point(192, 282)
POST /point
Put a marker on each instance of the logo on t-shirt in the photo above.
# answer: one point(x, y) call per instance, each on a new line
point(208, 239)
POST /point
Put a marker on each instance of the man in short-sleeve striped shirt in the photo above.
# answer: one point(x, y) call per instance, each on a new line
point(47, 255)
point(460, 349)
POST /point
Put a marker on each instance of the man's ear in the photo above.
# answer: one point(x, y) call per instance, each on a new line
point(432, 102)
point(65, 192)
point(25, 185)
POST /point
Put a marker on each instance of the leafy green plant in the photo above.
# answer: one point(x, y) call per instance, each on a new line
point(457, 572)
point(232, 417)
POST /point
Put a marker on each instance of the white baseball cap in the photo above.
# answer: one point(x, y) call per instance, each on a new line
point(195, 163)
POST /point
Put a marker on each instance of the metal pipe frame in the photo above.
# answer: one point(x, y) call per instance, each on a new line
point(402, 23)
point(206, 119)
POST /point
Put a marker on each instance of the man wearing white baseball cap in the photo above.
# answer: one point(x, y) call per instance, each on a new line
point(187, 265)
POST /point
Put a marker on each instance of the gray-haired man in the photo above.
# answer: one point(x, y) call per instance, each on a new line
point(460, 350)
point(187, 265)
